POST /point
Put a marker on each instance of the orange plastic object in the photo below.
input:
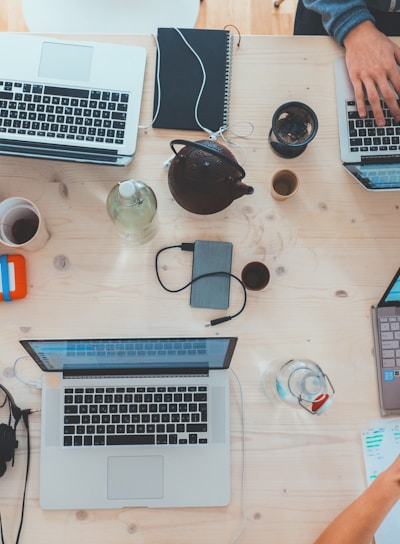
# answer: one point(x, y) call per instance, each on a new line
point(12, 277)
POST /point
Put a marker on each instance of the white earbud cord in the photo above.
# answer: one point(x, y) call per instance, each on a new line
point(158, 83)
point(37, 384)
point(203, 84)
point(212, 135)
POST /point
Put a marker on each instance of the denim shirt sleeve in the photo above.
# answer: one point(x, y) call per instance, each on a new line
point(338, 16)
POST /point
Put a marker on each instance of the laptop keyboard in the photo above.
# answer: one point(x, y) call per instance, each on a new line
point(367, 137)
point(390, 341)
point(62, 113)
point(108, 416)
point(142, 348)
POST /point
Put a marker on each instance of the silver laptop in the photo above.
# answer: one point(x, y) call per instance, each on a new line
point(386, 327)
point(369, 153)
point(67, 100)
point(134, 422)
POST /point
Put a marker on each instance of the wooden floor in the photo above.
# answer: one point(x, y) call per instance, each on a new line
point(249, 16)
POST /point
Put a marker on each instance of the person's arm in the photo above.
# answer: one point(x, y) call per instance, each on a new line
point(373, 65)
point(340, 16)
point(360, 520)
point(372, 59)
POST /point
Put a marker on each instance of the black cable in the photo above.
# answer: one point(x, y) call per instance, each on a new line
point(25, 418)
point(185, 246)
point(1, 530)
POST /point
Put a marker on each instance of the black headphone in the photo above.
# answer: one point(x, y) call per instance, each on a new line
point(9, 443)
point(8, 439)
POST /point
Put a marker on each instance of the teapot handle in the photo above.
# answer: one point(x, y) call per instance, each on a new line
point(210, 150)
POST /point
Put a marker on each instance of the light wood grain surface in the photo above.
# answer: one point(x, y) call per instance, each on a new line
point(331, 250)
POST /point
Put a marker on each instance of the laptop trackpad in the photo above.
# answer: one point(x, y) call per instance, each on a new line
point(66, 61)
point(135, 477)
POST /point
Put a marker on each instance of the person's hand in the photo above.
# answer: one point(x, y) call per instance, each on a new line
point(391, 476)
point(373, 65)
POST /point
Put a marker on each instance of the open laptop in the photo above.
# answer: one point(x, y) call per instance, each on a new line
point(386, 327)
point(134, 421)
point(69, 100)
point(370, 154)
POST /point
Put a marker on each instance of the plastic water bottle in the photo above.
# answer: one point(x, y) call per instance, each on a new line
point(299, 383)
point(132, 206)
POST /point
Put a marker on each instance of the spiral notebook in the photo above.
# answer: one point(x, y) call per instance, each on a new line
point(181, 78)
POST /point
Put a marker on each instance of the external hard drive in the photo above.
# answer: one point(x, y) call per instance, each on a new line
point(211, 292)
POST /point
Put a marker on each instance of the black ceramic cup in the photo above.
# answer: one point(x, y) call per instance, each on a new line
point(255, 276)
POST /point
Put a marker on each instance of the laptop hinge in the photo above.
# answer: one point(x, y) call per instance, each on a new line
point(61, 152)
point(381, 159)
point(143, 373)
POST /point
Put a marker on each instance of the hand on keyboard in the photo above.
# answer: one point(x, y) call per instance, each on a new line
point(373, 63)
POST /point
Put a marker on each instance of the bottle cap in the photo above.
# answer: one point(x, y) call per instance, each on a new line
point(321, 403)
point(127, 188)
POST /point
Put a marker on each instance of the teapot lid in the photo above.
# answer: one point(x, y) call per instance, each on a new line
point(207, 147)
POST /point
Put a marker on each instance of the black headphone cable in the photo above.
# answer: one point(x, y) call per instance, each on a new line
point(18, 414)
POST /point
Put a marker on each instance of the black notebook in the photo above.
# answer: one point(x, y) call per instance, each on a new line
point(181, 79)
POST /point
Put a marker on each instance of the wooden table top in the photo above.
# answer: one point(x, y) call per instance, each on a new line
point(331, 250)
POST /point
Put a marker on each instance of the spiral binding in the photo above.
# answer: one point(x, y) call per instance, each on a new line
point(227, 90)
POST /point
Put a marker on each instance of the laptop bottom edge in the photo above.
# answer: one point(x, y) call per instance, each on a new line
point(65, 154)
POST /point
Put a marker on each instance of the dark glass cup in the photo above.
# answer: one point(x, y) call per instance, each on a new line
point(294, 125)
point(255, 276)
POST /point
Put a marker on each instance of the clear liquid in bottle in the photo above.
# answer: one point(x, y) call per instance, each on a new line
point(132, 206)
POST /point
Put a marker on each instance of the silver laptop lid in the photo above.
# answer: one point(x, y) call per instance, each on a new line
point(376, 165)
point(131, 356)
point(70, 100)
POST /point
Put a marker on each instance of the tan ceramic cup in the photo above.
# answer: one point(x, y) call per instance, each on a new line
point(284, 184)
point(21, 225)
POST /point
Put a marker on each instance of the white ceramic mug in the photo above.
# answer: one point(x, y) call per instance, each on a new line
point(21, 224)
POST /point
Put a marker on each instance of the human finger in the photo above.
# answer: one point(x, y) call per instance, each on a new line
point(359, 95)
point(394, 105)
point(375, 102)
point(390, 99)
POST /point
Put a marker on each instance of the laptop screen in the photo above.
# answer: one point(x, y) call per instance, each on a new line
point(391, 296)
point(377, 176)
point(130, 354)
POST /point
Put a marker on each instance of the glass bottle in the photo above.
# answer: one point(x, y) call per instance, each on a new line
point(299, 383)
point(132, 206)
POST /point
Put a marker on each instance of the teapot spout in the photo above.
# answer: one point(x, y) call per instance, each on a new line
point(242, 189)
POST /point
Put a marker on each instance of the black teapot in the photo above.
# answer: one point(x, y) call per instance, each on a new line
point(204, 176)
